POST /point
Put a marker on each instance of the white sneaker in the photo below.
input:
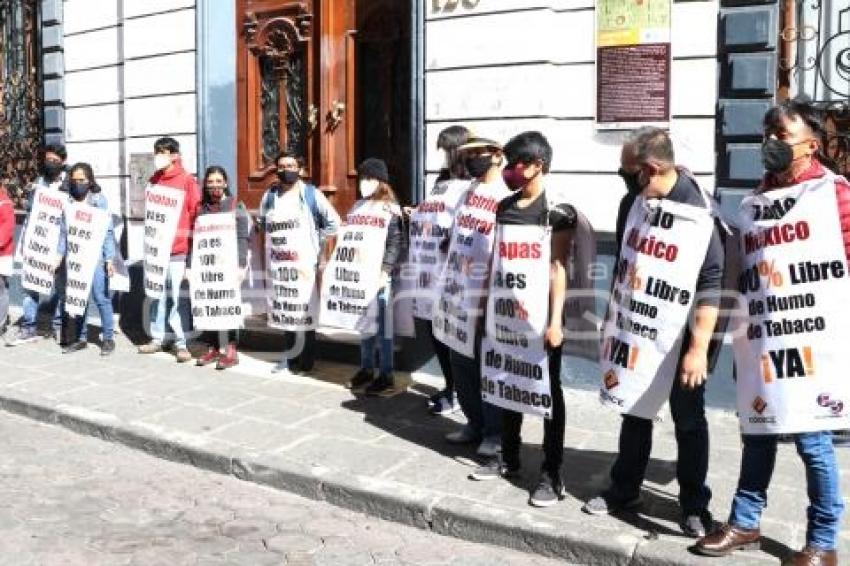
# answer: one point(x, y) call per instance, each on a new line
point(490, 447)
point(444, 406)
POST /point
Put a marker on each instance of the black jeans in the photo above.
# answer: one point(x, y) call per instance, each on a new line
point(553, 429)
point(442, 351)
point(220, 338)
point(688, 410)
point(304, 359)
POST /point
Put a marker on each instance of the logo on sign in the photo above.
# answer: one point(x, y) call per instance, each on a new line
point(834, 405)
point(611, 380)
point(759, 405)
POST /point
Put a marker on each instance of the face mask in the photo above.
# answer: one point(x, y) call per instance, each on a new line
point(161, 161)
point(52, 170)
point(478, 165)
point(215, 194)
point(514, 177)
point(78, 189)
point(632, 181)
point(368, 187)
point(777, 155)
point(288, 177)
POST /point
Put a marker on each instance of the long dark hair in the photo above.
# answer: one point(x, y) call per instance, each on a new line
point(87, 170)
point(211, 170)
point(449, 140)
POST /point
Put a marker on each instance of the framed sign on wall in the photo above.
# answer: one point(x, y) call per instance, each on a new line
point(632, 63)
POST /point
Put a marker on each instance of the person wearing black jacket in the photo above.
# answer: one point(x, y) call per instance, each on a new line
point(648, 169)
point(217, 198)
point(374, 185)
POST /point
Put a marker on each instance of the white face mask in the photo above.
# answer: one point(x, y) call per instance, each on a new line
point(161, 161)
point(368, 187)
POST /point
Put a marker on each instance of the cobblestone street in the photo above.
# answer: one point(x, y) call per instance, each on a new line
point(74, 500)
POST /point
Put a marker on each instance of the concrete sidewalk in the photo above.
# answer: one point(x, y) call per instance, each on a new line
point(387, 457)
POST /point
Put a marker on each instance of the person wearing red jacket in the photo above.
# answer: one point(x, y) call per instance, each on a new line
point(793, 157)
point(170, 173)
point(7, 249)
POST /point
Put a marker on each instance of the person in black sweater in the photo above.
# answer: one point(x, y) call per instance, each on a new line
point(648, 169)
point(217, 198)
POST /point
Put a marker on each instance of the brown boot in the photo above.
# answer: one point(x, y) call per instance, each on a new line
point(211, 356)
point(229, 359)
point(812, 557)
point(727, 539)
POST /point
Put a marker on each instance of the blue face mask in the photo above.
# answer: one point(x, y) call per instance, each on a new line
point(79, 190)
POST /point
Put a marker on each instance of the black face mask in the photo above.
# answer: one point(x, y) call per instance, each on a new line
point(287, 176)
point(52, 170)
point(776, 155)
point(79, 189)
point(478, 165)
point(632, 180)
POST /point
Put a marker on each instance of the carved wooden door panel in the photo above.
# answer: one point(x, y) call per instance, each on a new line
point(276, 82)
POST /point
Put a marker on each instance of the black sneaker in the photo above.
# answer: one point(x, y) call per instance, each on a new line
point(361, 379)
point(492, 469)
point(608, 503)
point(548, 491)
point(381, 387)
point(697, 525)
point(107, 347)
point(75, 347)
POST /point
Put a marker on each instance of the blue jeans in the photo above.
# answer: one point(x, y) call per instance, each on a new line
point(170, 297)
point(484, 419)
point(100, 296)
point(56, 302)
point(383, 339)
point(691, 427)
point(822, 480)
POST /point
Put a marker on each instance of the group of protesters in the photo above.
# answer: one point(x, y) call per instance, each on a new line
point(488, 267)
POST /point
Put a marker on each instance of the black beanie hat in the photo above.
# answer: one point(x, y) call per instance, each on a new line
point(374, 168)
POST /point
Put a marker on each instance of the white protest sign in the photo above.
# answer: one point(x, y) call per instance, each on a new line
point(663, 249)
point(163, 206)
point(514, 361)
point(351, 279)
point(86, 232)
point(41, 240)
point(291, 260)
point(791, 348)
point(430, 225)
point(214, 277)
point(462, 287)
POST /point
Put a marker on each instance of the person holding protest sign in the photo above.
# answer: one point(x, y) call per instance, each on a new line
point(297, 220)
point(172, 198)
point(790, 341)
point(463, 292)
point(43, 271)
point(217, 200)
point(88, 242)
point(7, 250)
point(361, 268)
point(663, 311)
point(430, 227)
point(522, 345)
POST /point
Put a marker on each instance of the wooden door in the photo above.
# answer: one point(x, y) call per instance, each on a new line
point(300, 87)
point(276, 80)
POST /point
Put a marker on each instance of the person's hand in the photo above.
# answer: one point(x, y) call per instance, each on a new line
point(554, 337)
point(110, 269)
point(407, 211)
point(56, 261)
point(384, 280)
point(694, 368)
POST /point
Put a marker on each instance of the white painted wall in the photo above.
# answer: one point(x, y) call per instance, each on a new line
point(129, 79)
point(505, 66)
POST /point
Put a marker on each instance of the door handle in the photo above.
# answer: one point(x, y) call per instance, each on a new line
point(312, 118)
point(335, 115)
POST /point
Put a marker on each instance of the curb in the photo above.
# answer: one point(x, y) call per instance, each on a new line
point(445, 515)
